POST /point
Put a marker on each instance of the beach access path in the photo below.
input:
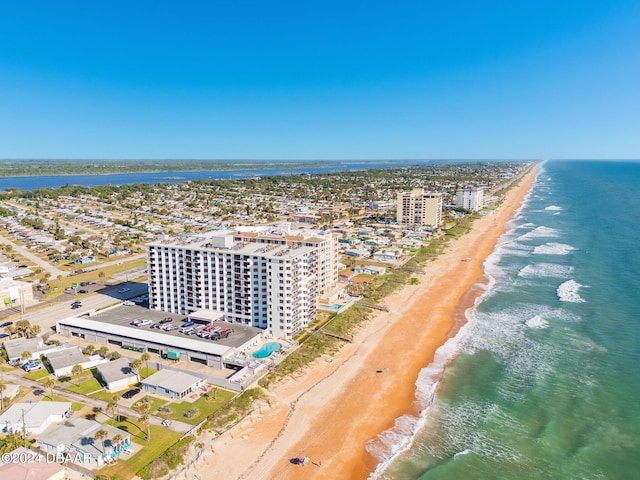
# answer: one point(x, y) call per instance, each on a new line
point(332, 409)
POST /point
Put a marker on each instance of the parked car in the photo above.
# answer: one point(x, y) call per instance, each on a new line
point(30, 366)
point(128, 303)
point(131, 393)
point(6, 324)
point(166, 423)
point(188, 324)
point(166, 320)
point(143, 323)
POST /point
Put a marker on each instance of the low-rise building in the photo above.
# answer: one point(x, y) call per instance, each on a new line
point(370, 269)
point(25, 464)
point(16, 347)
point(62, 361)
point(172, 384)
point(117, 375)
point(76, 438)
point(33, 418)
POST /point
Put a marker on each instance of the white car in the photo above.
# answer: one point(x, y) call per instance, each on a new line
point(166, 423)
point(128, 303)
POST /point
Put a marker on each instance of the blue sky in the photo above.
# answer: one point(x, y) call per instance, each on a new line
point(320, 79)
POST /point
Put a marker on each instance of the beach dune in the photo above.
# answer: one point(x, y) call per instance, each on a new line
point(331, 411)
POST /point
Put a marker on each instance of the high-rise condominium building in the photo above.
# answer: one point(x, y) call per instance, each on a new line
point(471, 198)
point(267, 284)
point(418, 207)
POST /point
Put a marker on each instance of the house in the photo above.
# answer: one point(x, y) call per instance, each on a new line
point(16, 347)
point(29, 466)
point(389, 255)
point(117, 375)
point(62, 361)
point(75, 438)
point(370, 270)
point(173, 384)
point(33, 418)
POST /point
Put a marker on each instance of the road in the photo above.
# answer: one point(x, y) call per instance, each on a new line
point(46, 266)
point(47, 316)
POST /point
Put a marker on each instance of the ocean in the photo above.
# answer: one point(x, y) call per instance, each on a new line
point(542, 382)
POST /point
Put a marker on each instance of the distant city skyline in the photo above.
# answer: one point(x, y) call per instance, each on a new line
point(327, 81)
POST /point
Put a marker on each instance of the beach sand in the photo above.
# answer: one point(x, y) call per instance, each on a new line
point(332, 409)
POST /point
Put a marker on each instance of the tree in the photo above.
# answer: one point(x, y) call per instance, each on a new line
point(103, 351)
point(144, 421)
point(117, 442)
point(101, 435)
point(35, 330)
point(145, 357)
point(76, 370)
point(135, 366)
point(49, 383)
point(3, 387)
point(22, 327)
point(89, 349)
point(112, 406)
point(26, 355)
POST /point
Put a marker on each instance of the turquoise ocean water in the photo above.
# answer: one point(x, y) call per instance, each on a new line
point(543, 382)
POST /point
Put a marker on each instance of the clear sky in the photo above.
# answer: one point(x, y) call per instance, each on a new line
point(307, 79)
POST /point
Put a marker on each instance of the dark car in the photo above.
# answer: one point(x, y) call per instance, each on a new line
point(131, 393)
point(82, 291)
point(84, 284)
point(6, 324)
point(166, 320)
point(75, 305)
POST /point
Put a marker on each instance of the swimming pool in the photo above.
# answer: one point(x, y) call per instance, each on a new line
point(334, 308)
point(267, 349)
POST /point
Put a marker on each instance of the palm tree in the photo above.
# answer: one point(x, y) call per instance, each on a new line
point(35, 330)
point(89, 349)
point(103, 351)
point(49, 383)
point(26, 355)
point(3, 387)
point(117, 442)
point(10, 330)
point(135, 366)
point(111, 407)
point(144, 420)
point(101, 435)
point(76, 370)
point(145, 357)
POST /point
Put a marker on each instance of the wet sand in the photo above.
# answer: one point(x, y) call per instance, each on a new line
point(332, 409)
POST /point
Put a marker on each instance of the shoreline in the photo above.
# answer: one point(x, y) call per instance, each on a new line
point(333, 409)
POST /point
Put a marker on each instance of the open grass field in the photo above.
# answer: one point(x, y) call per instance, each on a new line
point(145, 452)
point(205, 405)
point(37, 374)
point(86, 386)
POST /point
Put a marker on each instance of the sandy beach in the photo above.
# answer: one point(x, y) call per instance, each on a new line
point(332, 409)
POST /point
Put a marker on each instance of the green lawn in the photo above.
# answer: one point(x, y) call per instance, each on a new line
point(155, 402)
point(146, 372)
point(85, 387)
point(37, 374)
point(205, 406)
point(105, 395)
point(75, 406)
point(128, 465)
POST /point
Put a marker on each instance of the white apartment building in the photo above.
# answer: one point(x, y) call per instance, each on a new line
point(325, 243)
point(267, 285)
point(471, 198)
point(418, 207)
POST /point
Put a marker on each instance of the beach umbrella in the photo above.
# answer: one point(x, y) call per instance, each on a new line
point(304, 460)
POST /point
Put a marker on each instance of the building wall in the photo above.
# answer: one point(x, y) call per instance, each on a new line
point(470, 198)
point(419, 208)
point(257, 289)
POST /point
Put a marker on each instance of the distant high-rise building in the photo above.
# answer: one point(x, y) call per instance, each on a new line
point(471, 198)
point(267, 278)
point(418, 207)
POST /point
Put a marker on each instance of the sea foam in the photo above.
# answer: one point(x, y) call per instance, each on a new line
point(537, 322)
point(545, 270)
point(540, 232)
point(553, 249)
point(553, 208)
point(569, 291)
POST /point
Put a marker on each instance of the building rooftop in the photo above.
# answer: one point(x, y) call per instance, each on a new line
point(116, 370)
point(35, 414)
point(28, 470)
point(171, 380)
point(16, 346)
point(79, 433)
point(66, 358)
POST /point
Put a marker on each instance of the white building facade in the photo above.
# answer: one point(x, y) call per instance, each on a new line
point(470, 198)
point(418, 207)
point(268, 285)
